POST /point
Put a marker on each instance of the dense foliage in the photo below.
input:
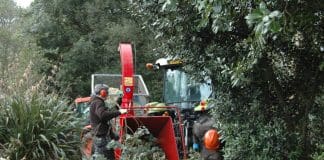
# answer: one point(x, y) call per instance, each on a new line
point(7, 41)
point(265, 59)
point(18, 53)
point(79, 38)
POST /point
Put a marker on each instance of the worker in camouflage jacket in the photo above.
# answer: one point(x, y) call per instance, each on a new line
point(100, 117)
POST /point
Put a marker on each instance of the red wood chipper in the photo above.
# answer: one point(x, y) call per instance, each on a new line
point(167, 130)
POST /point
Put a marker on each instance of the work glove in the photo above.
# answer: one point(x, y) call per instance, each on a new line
point(195, 147)
point(123, 111)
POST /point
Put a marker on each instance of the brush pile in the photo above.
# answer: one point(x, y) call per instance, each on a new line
point(141, 145)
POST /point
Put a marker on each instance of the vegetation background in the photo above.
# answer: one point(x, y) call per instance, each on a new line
point(265, 59)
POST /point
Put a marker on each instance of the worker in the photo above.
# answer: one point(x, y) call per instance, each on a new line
point(205, 136)
point(100, 117)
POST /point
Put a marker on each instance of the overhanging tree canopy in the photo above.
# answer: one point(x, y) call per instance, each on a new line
point(266, 61)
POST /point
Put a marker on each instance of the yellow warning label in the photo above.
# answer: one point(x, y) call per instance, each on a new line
point(128, 81)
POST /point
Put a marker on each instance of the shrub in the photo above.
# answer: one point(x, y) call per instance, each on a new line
point(38, 127)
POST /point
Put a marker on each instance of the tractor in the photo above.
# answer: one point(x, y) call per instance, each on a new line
point(183, 92)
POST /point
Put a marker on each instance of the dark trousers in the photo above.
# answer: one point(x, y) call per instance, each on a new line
point(100, 148)
point(207, 154)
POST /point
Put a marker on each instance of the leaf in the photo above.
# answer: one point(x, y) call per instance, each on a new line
point(253, 16)
point(161, 1)
point(201, 5)
point(215, 29)
point(43, 137)
point(274, 14)
point(275, 27)
point(259, 29)
point(321, 66)
point(235, 82)
point(217, 8)
point(169, 4)
point(262, 6)
point(265, 19)
point(264, 29)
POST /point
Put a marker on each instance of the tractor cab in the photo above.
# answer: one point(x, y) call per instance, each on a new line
point(179, 89)
point(182, 91)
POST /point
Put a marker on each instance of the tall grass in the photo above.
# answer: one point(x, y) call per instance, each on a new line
point(38, 128)
point(35, 125)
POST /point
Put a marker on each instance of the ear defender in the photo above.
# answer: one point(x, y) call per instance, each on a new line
point(103, 93)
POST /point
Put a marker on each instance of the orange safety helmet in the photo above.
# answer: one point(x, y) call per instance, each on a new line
point(211, 139)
